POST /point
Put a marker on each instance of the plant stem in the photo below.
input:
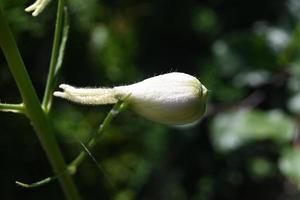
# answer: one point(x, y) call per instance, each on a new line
point(72, 168)
point(47, 100)
point(36, 184)
point(15, 108)
point(118, 107)
point(62, 47)
point(39, 119)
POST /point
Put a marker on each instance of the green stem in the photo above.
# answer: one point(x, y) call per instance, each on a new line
point(36, 184)
point(72, 168)
point(15, 108)
point(39, 119)
point(47, 100)
point(63, 42)
point(118, 107)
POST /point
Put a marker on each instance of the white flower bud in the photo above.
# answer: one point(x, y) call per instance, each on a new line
point(173, 98)
point(37, 7)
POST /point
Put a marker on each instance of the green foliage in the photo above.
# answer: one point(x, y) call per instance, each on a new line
point(246, 53)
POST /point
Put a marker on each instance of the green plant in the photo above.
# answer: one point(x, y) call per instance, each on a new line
point(156, 98)
point(38, 112)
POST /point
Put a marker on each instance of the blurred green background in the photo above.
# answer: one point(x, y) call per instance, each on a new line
point(246, 52)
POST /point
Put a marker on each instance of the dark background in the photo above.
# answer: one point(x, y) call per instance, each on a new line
point(246, 52)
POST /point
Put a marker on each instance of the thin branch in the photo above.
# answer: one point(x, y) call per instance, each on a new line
point(118, 107)
point(34, 111)
point(72, 168)
point(60, 31)
point(15, 108)
point(65, 34)
point(36, 184)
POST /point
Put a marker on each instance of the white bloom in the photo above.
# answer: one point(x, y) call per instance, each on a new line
point(173, 98)
point(37, 7)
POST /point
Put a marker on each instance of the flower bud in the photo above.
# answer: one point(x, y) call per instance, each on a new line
point(173, 98)
point(37, 7)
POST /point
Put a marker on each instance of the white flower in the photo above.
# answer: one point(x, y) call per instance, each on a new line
point(37, 7)
point(173, 98)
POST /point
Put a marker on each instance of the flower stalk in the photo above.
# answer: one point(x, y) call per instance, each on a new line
point(59, 42)
point(33, 108)
point(118, 107)
point(72, 167)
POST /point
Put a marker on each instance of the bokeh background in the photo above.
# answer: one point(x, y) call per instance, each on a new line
point(246, 52)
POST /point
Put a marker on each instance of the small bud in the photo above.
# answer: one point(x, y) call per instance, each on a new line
point(173, 98)
point(37, 7)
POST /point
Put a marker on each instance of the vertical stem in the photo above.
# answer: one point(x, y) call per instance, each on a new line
point(47, 100)
point(39, 119)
